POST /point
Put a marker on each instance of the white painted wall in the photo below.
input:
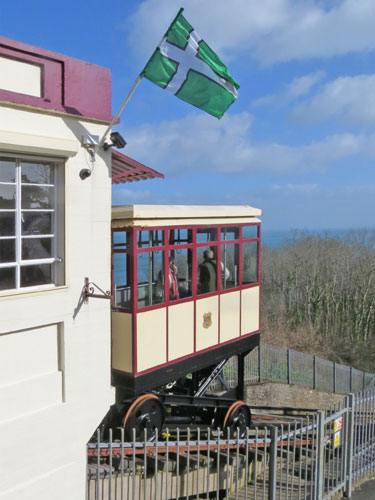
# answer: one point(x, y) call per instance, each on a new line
point(55, 364)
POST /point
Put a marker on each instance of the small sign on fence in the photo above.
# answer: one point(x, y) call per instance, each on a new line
point(338, 424)
point(337, 439)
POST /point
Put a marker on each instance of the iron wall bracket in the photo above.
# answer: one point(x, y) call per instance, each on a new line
point(89, 291)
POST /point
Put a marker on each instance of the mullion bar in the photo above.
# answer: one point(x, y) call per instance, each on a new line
point(18, 225)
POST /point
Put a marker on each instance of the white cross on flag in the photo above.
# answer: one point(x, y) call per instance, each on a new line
point(184, 65)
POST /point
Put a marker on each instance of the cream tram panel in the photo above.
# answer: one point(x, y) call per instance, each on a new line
point(151, 339)
point(229, 316)
point(249, 310)
point(207, 324)
point(180, 330)
point(122, 345)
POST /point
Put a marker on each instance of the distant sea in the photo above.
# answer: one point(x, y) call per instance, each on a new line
point(277, 238)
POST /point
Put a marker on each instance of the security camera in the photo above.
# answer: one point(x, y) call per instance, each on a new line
point(85, 173)
point(117, 140)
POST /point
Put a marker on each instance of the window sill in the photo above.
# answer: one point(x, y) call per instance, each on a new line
point(32, 291)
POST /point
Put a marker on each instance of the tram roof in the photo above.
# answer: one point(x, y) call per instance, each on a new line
point(187, 213)
point(125, 169)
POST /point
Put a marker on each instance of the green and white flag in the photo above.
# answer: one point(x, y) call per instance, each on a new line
point(184, 65)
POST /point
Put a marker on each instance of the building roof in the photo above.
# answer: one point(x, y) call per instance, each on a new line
point(125, 169)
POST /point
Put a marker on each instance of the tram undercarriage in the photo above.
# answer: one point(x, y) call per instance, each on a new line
point(183, 403)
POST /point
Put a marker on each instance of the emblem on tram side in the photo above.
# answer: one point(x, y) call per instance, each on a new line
point(207, 320)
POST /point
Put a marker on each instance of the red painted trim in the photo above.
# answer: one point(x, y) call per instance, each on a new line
point(68, 85)
point(134, 295)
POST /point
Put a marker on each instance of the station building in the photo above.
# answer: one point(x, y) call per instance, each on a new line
point(55, 371)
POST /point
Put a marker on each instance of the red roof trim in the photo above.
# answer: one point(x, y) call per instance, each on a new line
point(125, 169)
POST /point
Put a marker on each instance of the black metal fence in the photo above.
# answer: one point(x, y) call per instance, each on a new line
point(278, 364)
point(311, 457)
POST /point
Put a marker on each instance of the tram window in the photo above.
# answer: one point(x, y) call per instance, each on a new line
point(205, 235)
point(150, 238)
point(250, 232)
point(207, 269)
point(121, 279)
point(249, 263)
point(180, 236)
point(150, 278)
point(180, 273)
point(120, 240)
point(230, 257)
point(230, 233)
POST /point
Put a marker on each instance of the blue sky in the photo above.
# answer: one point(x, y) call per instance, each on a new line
point(299, 142)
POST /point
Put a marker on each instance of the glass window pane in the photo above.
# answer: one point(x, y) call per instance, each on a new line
point(7, 196)
point(205, 235)
point(150, 238)
point(36, 275)
point(150, 278)
point(7, 223)
point(37, 223)
point(180, 273)
point(230, 233)
point(36, 173)
point(37, 197)
point(121, 278)
point(230, 258)
point(250, 232)
point(37, 248)
point(7, 250)
point(7, 278)
point(7, 171)
point(120, 240)
point(180, 236)
point(249, 262)
point(207, 275)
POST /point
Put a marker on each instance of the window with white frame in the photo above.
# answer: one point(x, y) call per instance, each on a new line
point(31, 223)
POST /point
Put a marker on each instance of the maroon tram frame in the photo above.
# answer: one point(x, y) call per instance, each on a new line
point(133, 251)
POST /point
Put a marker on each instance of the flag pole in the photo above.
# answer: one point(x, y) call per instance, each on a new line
point(114, 119)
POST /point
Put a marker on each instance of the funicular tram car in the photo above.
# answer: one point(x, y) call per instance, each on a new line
point(185, 298)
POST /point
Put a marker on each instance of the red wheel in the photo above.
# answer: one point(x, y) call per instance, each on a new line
point(237, 419)
point(146, 413)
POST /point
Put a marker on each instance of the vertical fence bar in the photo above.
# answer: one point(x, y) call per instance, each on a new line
point(208, 463)
point(320, 465)
point(178, 464)
point(314, 372)
point(156, 464)
point(255, 469)
point(272, 465)
point(198, 458)
point(246, 462)
point(227, 468)
point(218, 466)
point(145, 465)
point(264, 461)
point(351, 380)
point(97, 486)
point(289, 368)
point(334, 378)
point(259, 365)
point(110, 466)
point(122, 464)
point(349, 449)
point(133, 471)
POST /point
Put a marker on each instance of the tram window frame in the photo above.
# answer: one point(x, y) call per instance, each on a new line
point(126, 250)
point(169, 248)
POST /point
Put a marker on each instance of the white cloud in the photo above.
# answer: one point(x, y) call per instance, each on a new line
point(298, 87)
point(270, 30)
point(351, 100)
point(121, 193)
point(201, 144)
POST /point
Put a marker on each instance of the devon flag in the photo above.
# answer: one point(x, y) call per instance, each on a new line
point(184, 65)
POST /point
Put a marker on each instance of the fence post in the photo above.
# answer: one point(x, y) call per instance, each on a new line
point(334, 377)
point(321, 456)
point(289, 370)
point(314, 372)
point(259, 365)
point(272, 465)
point(351, 380)
point(364, 381)
point(349, 451)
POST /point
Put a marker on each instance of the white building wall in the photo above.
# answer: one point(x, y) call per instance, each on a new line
point(54, 350)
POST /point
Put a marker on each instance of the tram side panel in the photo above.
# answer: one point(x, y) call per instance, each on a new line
point(167, 342)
